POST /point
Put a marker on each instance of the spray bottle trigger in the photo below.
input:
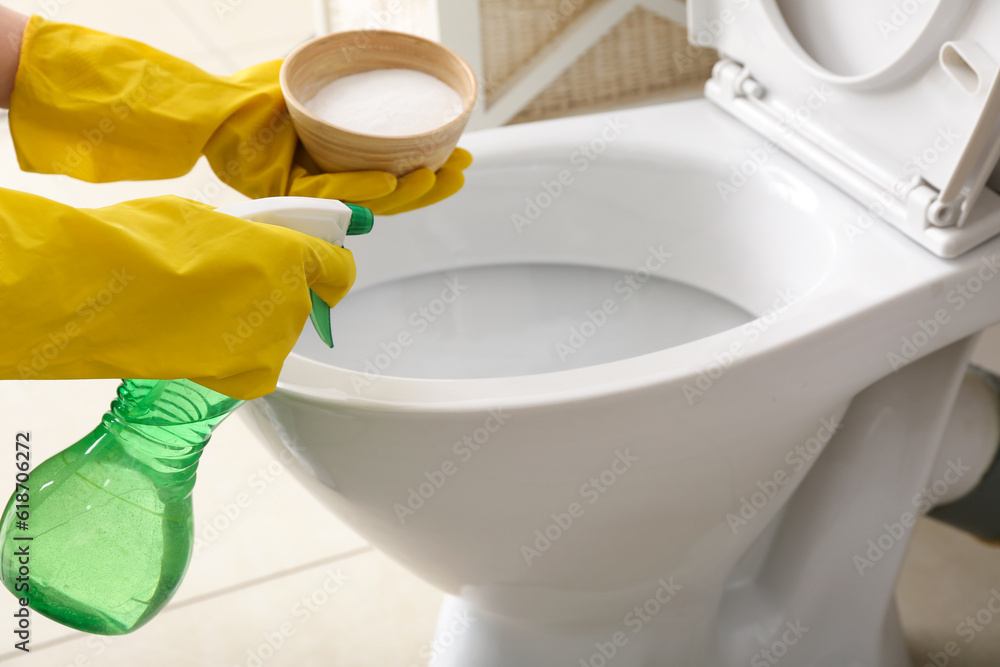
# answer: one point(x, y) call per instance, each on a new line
point(320, 318)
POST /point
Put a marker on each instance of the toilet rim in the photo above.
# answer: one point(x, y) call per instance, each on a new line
point(312, 381)
point(675, 365)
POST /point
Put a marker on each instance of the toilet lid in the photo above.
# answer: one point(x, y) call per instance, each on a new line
point(895, 101)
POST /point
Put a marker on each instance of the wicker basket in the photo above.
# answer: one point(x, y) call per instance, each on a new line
point(642, 59)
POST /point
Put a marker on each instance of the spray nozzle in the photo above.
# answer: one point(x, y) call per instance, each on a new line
point(361, 220)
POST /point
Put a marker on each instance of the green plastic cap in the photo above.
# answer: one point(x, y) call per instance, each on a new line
point(361, 220)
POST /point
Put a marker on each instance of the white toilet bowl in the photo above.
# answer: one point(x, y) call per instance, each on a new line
point(554, 502)
point(649, 391)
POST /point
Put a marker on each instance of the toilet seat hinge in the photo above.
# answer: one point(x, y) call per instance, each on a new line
point(734, 80)
point(952, 214)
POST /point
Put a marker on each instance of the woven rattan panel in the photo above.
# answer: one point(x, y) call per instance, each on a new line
point(514, 31)
point(644, 57)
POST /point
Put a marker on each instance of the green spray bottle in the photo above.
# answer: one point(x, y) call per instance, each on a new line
point(99, 536)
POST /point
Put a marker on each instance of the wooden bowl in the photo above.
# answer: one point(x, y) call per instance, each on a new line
point(318, 62)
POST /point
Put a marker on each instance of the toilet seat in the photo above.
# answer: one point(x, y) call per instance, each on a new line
point(910, 128)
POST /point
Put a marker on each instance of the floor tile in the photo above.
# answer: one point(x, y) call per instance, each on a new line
point(947, 578)
point(363, 611)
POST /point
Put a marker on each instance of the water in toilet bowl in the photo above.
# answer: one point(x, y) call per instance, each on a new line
point(509, 320)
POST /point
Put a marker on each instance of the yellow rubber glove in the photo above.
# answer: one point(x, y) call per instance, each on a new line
point(158, 288)
point(104, 108)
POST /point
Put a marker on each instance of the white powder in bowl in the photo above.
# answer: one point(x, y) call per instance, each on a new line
point(387, 102)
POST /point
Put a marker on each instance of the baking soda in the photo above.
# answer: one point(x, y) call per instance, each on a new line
point(387, 102)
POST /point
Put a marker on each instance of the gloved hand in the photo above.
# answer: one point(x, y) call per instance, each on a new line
point(156, 288)
point(104, 108)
